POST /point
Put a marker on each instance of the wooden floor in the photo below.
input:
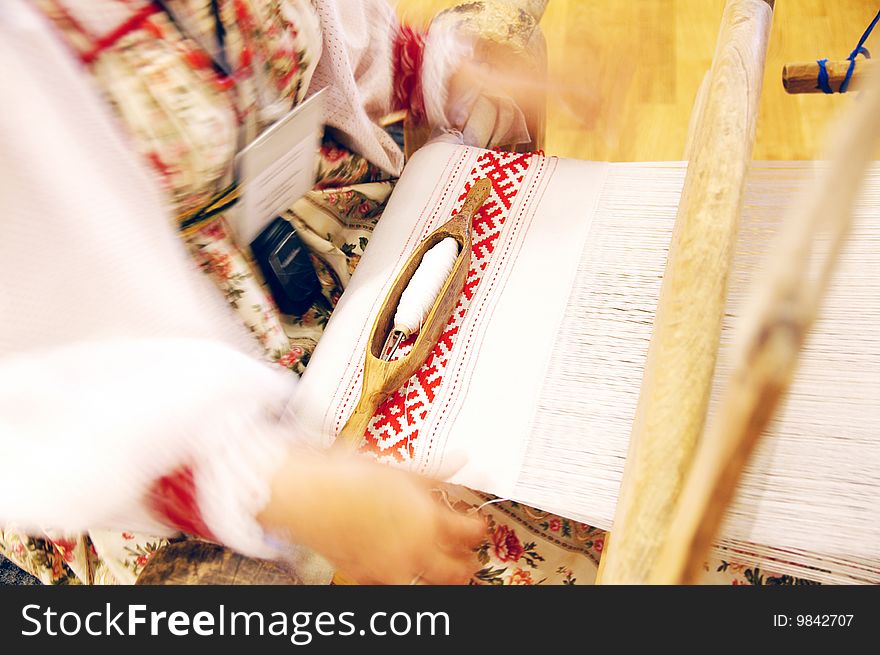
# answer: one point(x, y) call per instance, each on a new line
point(624, 73)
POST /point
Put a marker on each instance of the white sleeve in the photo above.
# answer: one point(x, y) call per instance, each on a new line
point(357, 66)
point(119, 363)
point(484, 114)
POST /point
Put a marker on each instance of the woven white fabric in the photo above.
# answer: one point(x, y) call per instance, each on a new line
point(535, 382)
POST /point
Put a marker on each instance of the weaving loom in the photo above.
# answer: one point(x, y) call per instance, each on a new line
point(576, 371)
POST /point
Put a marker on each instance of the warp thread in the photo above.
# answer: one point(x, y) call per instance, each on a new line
point(805, 506)
point(444, 496)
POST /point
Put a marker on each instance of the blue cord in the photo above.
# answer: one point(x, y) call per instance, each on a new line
point(822, 80)
point(860, 49)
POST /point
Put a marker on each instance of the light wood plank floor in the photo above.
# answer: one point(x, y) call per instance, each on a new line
point(624, 73)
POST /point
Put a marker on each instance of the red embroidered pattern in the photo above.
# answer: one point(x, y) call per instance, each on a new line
point(173, 498)
point(394, 430)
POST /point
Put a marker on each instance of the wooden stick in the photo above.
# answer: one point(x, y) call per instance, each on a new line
point(803, 77)
point(784, 306)
point(687, 326)
point(696, 114)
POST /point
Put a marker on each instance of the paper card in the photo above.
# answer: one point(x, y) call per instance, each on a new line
point(277, 168)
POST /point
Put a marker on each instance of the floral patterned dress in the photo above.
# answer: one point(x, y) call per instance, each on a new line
point(187, 119)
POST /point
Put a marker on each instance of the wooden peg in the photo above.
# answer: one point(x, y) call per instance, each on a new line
point(803, 77)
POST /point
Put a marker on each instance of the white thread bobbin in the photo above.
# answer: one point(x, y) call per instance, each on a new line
point(421, 293)
point(424, 287)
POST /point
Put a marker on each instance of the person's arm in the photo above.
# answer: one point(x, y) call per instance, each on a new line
point(372, 65)
point(120, 369)
point(375, 524)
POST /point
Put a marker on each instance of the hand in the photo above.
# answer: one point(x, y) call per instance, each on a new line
point(376, 524)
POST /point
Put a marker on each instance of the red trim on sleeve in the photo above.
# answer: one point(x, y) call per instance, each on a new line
point(173, 498)
point(134, 23)
point(408, 53)
point(98, 44)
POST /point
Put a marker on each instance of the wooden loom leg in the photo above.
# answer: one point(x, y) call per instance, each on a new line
point(677, 381)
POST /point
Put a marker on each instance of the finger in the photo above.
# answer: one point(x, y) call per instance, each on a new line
point(392, 575)
point(460, 530)
point(466, 545)
point(443, 569)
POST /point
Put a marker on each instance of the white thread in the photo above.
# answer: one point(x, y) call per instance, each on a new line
point(489, 502)
point(444, 495)
point(412, 460)
point(424, 286)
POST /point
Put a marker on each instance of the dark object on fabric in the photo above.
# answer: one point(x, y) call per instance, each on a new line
point(287, 267)
point(197, 562)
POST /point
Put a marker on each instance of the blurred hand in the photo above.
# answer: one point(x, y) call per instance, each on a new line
point(376, 524)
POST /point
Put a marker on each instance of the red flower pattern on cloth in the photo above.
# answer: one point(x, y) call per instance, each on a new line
point(65, 546)
point(292, 358)
point(521, 577)
point(220, 264)
point(91, 46)
point(332, 153)
point(508, 547)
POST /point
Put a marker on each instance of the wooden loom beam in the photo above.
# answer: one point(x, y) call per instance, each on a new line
point(681, 358)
